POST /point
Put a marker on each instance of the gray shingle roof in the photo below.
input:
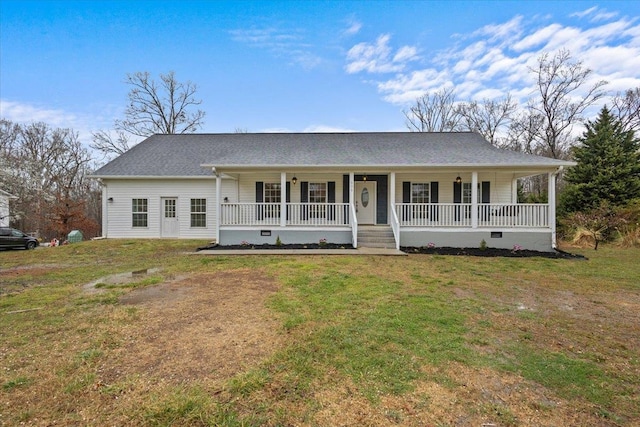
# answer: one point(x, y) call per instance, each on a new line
point(183, 155)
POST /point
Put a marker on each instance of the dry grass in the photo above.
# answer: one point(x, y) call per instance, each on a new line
point(310, 341)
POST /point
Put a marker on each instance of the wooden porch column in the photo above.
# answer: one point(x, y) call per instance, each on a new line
point(474, 199)
point(218, 207)
point(283, 199)
point(552, 206)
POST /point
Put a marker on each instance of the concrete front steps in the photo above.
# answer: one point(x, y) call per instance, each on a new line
point(376, 236)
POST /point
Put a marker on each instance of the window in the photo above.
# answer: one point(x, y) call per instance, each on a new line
point(318, 194)
point(272, 195)
point(272, 192)
point(466, 193)
point(170, 208)
point(139, 209)
point(420, 192)
point(198, 212)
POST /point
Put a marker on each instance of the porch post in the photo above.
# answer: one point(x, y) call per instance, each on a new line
point(218, 207)
point(552, 207)
point(474, 199)
point(105, 210)
point(392, 193)
point(351, 189)
point(283, 199)
point(514, 190)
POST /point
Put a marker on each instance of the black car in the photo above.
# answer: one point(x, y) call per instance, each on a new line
point(11, 238)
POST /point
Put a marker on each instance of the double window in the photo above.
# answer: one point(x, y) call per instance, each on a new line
point(198, 212)
point(139, 212)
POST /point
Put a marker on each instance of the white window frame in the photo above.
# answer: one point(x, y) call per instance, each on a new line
point(139, 213)
point(317, 194)
point(198, 212)
point(466, 193)
point(420, 192)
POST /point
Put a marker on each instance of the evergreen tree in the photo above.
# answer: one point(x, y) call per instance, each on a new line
point(608, 168)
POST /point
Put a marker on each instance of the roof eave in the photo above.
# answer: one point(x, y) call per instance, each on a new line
point(152, 177)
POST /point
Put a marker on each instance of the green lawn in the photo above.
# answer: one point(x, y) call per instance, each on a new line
point(358, 340)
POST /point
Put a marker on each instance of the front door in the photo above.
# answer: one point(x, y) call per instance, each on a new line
point(365, 199)
point(170, 225)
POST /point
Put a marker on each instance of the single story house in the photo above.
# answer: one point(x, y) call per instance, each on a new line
point(381, 189)
point(4, 208)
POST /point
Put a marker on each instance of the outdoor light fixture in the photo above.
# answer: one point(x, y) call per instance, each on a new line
point(226, 200)
point(294, 180)
point(364, 178)
point(458, 179)
point(110, 199)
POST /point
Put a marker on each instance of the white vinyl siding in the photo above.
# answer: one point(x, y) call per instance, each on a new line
point(117, 218)
point(501, 184)
point(247, 184)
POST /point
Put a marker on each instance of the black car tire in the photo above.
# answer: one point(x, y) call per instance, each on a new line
point(31, 245)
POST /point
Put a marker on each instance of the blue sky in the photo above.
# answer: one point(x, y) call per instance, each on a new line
point(297, 66)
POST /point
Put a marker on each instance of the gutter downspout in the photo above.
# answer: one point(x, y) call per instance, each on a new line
point(552, 205)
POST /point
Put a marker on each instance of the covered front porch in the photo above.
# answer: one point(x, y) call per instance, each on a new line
point(438, 207)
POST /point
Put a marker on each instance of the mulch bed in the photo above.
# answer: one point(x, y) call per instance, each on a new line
point(266, 246)
point(488, 252)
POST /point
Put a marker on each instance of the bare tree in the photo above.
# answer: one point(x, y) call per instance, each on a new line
point(434, 112)
point(106, 143)
point(561, 100)
point(47, 170)
point(160, 107)
point(626, 108)
point(490, 118)
point(164, 107)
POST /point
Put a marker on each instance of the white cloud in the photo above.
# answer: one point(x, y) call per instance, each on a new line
point(498, 58)
point(596, 14)
point(583, 13)
point(25, 113)
point(354, 28)
point(376, 57)
point(84, 124)
point(505, 31)
point(538, 38)
point(405, 53)
point(287, 43)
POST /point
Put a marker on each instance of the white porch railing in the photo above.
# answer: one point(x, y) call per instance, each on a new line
point(395, 225)
point(354, 225)
point(496, 215)
point(298, 214)
point(510, 215)
point(459, 215)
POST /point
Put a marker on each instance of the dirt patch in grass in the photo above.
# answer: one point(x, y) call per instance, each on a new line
point(457, 396)
point(17, 279)
point(207, 326)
